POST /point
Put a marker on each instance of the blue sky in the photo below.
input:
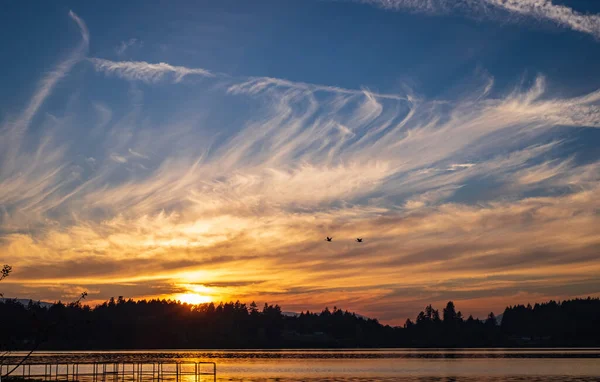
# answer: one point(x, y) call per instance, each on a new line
point(206, 149)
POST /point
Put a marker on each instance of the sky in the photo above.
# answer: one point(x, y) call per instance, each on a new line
point(203, 151)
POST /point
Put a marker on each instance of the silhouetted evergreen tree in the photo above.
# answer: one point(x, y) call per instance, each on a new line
point(450, 316)
point(145, 324)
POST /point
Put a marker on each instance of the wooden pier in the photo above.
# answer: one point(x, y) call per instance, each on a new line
point(113, 372)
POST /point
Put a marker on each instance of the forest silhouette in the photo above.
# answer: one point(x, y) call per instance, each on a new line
point(165, 324)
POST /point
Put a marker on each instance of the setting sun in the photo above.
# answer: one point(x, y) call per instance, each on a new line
point(193, 298)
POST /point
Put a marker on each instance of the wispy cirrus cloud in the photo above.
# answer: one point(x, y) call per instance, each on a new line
point(50, 80)
point(124, 45)
point(233, 195)
point(559, 14)
point(147, 72)
point(27, 178)
point(288, 173)
point(543, 10)
point(151, 72)
point(256, 85)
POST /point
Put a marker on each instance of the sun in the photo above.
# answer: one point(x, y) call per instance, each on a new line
point(193, 298)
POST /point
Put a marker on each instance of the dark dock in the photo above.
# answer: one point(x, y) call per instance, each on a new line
point(113, 372)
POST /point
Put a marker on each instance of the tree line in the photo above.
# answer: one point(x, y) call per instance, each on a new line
point(151, 324)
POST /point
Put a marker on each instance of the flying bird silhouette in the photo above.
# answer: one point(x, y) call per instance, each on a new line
point(329, 238)
point(359, 239)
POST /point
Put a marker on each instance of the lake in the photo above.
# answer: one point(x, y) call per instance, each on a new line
point(385, 365)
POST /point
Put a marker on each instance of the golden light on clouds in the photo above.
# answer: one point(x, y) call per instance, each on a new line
point(231, 194)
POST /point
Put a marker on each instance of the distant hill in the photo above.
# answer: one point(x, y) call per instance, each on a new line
point(25, 301)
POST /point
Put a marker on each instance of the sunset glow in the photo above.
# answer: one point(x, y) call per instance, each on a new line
point(204, 153)
point(193, 298)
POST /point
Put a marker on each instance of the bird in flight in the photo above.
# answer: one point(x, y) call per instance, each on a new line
point(359, 239)
point(329, 238)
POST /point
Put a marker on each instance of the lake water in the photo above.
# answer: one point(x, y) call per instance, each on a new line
point(384, 365)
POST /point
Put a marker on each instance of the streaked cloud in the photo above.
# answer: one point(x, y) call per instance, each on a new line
point(149, 72)
point(51, 79)
point(29, 178)
point(124, 45)
point(262, 199)
point(559, 14)
point(543, 10)
point(231, 193)
point(144, 71)
point(255, 85)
